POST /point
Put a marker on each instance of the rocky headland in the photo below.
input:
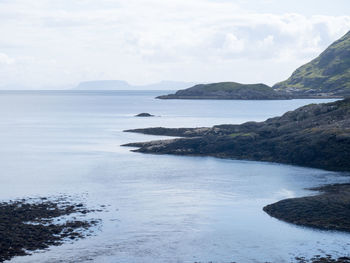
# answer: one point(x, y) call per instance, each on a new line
point(316, 135)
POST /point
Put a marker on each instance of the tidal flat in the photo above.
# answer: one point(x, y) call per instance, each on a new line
point(31, 224)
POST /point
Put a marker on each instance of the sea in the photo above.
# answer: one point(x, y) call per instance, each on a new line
point(156, 208)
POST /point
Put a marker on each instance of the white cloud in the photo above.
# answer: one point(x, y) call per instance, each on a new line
point(5, 59)
point(267, 41)
point(233, 44)
point(149, 40)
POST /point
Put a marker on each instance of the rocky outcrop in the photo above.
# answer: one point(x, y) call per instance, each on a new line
point(144, 114)
point(329, 210)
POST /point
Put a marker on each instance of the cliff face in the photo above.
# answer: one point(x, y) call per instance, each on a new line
point(228, 90)
point(316, 135)
point(329, 73)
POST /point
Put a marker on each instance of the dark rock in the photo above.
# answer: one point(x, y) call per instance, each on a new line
point(329, 210)
point(144, 114)
point(325, 259)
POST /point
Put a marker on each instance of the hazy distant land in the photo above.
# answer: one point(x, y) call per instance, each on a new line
point(123, 85)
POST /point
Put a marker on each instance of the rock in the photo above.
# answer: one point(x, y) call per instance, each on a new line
point(329, 210)
point(32, 224)
point(144, 114)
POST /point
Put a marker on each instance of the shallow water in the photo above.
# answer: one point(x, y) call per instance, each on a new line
point(159, 208)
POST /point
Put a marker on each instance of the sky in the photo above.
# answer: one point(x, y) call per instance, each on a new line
point(55, 44)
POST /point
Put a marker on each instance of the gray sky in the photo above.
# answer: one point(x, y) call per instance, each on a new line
point(55, 43)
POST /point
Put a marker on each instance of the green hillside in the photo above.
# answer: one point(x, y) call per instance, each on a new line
point(328, 73)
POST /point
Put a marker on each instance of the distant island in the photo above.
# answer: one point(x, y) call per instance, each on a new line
point(123, 85)
point(103, 85)
point(229, 91)
point(327, 76)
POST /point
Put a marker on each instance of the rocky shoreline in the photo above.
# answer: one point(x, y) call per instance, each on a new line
point(329, 210)
point(32, 224)
point(316, 135)
point(325, 259)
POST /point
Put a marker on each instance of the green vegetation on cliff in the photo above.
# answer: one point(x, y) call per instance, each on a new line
point(329, 73)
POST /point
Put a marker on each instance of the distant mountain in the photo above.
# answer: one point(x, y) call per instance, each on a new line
point(103, 85)
point(167, 85)
point(123, 85)
point(328, 73)
point(228, 90)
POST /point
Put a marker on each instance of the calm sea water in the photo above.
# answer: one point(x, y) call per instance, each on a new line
point(159, 208)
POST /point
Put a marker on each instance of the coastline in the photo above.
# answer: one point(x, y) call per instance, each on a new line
point(316, 135)
point(177, 97)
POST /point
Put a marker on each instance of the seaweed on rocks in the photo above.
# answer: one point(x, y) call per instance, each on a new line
point(36, 223)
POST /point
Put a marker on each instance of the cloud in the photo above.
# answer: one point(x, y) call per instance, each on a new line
point(5, 59)
point(149, 40)
point(267, 41)
point(233, 44)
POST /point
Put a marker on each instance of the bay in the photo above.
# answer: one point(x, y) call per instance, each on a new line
point(159, 208)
